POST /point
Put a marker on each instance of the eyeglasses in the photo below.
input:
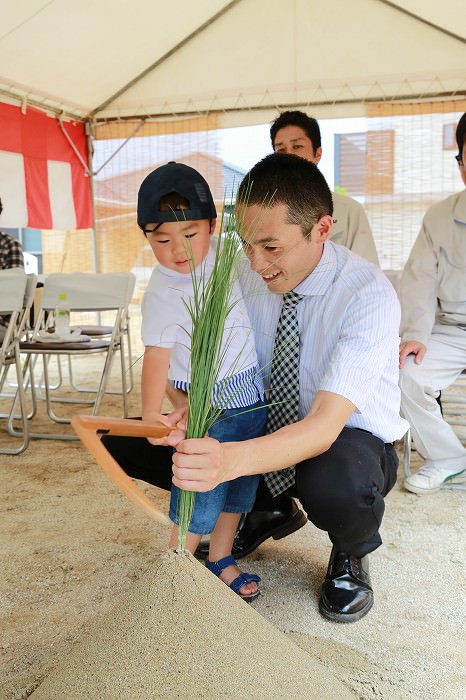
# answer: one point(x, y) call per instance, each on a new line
point(459, 159)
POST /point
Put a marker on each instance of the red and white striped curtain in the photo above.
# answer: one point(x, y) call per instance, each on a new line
point(43, 183)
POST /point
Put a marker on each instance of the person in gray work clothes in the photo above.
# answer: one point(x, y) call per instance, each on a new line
point(433, 334)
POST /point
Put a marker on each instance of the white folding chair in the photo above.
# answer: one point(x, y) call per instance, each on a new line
point(85, 292)
point(23, 328)
point(13, 285)
point(97, 332)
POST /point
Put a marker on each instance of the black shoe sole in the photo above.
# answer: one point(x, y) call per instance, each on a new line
point(345, 617)
point(296, 523)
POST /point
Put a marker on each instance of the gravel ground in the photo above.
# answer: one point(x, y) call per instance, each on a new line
point(72, 546)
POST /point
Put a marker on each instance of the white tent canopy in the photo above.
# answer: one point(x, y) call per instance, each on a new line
point(117, 59)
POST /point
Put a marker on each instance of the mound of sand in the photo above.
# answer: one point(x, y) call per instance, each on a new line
point(179, 632)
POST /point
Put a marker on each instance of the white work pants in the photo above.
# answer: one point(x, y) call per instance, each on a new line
point(420, 385)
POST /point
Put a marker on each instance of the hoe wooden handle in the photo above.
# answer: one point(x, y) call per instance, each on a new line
point(90, 428)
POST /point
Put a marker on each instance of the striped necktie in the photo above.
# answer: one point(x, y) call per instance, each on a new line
point(284, 384)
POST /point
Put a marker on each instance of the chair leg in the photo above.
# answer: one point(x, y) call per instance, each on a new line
point(27, 371)
point(130, 360)
point(124, 390)
point(103, 381)
point(407, 453)
point(129, 384)
point(21, 397)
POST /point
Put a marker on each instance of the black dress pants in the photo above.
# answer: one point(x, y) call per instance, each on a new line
point(141, 460)
point(341, 490)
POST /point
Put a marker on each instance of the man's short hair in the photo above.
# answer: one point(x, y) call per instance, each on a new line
point(297, 118)
point(282, 178)
point(460, 133)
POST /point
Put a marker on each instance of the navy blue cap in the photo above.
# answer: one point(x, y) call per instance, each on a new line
point(185, 181)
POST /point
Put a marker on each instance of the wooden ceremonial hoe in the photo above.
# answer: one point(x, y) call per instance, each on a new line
point(91, 428)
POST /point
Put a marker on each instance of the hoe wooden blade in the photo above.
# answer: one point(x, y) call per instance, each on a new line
point(90, 428)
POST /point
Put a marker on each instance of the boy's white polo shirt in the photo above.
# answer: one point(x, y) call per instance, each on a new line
point(166, 323)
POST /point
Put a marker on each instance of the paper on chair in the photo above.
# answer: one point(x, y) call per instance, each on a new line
point(73, 337)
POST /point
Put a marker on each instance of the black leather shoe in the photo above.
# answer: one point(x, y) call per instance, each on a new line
point(346, 591)
point(257, 526)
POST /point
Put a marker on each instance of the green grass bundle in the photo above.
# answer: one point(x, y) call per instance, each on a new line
point(208, 310)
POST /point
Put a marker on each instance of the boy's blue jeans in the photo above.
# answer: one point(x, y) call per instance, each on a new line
point(235, 496)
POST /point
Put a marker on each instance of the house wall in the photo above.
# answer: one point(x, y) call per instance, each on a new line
point(397, 169)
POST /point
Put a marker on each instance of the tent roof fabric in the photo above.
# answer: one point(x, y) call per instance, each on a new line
point(243, 58)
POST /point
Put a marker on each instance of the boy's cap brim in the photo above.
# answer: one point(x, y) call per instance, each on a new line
point(185, 181)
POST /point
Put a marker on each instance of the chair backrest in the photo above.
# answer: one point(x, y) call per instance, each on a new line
point(12, 290)
point(31, 285)
point(31, 263)
point(25, 320)
point(88, 291)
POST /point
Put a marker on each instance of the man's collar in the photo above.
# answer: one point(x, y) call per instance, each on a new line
point(320, 279)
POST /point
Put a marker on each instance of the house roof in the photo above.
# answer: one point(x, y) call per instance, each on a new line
point(122, 190)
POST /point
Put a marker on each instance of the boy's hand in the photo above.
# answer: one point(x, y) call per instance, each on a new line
point(176, 420)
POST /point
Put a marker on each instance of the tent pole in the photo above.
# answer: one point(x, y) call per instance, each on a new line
point(90, 151)
point(167, 55)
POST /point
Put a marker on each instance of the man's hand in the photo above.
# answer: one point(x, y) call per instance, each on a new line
point(200, 464)
point(412, 347)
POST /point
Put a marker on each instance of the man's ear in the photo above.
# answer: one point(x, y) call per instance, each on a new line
point(323, 229)
point(213, 223)
point(317, 155)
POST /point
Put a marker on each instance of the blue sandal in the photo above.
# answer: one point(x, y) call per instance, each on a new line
point(218, 566)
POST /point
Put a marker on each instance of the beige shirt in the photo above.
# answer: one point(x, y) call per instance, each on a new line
point(433, 284)
point(351, 227)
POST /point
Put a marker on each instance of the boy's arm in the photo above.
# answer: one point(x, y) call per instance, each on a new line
point(153, 389)
point(178, 398)
point(202, 464)
point(153, 384)
point(154, 381)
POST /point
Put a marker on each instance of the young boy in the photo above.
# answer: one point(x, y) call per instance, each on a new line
point(177, 214)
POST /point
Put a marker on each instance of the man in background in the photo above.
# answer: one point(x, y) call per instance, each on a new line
point(433, 334)
point(297, 133)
